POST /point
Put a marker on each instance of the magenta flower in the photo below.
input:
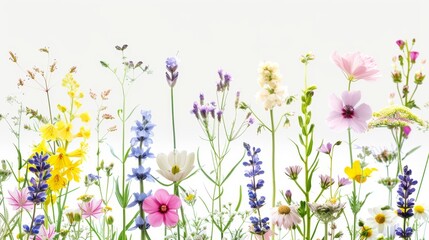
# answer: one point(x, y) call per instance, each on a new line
point(345, 114)
point(357, 66)
point(162, 208)
point(18, 199)
point(406, 130)
point(400, 44)
point(46, 234)
point(91, 209)
point(413, 56)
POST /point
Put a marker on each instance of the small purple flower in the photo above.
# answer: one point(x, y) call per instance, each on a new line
point(325, 148)
point(326, 181)
point(141, 173)
point(224, 81)
point(343, 181)
point(406, 130)
point(219, 115)
point(413, 56)
point(35, 226)
point(293, 171)
point(288, 196)
point(172, 74)
point(93, 178)
point(38, 186)
point(195, 110)
point(250, 121)
point(139, 198)
point(405, 204)
point(201, 99)
point(400, 44)
point(140, 223)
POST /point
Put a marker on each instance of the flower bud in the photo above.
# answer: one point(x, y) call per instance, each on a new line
point(288, 196)
point(110, 220)
point(400, 44)
point(77, 216)
point(396, 76)
point(401, 60)
point(413, 56)
point(405, 90)
point(419, 77)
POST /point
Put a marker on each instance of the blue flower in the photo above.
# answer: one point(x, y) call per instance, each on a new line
point(172, 74)
point(35, 226)
point(38, 186)
point(138, 152)
point(143, 130)
point(139, 198)
point(139, 224)
point(93, 178)
point(141, 173)
point(405, 204)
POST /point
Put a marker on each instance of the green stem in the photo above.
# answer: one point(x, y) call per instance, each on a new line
point(354, 182)
point(176, 192)
point(172, 117)
point(326, 232)
point(32, 221)
point(273, 161)
point(124, 217)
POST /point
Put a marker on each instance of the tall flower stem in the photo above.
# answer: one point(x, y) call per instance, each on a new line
point(142, 215)
point(124, 216)
point(172, 117)
point(354, 183)
point(32, 222)
point(273, 157)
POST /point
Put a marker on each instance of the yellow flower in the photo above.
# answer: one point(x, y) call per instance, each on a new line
point(49, 132)
point(73, 171)
point(64, 130)
point(84, 117)
point(60, 159)
point(56, 182)
point(85, 197)
point(42, 147)
point(107, 209)
point(77, 104)
point(80, 152)
point(84, 132)
point(50, 198)
point(62, 108)
point(357, 173)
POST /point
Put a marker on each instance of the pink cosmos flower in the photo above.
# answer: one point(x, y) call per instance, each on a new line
point(162, 208)
point(92, 208)
point(18, 199)
point(345, 114)
point(46, 234)
point(357, 66)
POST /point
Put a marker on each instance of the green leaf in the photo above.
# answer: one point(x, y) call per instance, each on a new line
point(104, 64)
point(129, 115)
point(409, 152)
point(232, 169)
point(118, 193)
point(310, 147)
point(300, 122)
point(113, 152)
point(240, 197)
point(202, 169)
point(302, 209)
point(123, 235)
point(19, 157)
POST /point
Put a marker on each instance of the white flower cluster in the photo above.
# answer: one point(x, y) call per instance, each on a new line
point(272, 94)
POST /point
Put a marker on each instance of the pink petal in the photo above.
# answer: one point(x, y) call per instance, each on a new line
point(174, 202)
point(151, 205)
point(358, 125)
point(336, 103)
point(350, 98)
point(363, 112)
point(155, 219)
point(171, 218)
point(162, 196)
point(336, 121)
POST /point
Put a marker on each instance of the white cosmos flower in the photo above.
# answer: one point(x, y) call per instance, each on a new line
point(421, 212)
point(176, 166)
point(380, 219)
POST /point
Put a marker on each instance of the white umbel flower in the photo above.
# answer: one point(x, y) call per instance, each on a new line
point(176, 166)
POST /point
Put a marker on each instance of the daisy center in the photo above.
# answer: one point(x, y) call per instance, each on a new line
point(163, 208)
point(380, 218)
point(419, 209)
point(175, 169)
point(348, 111)
point(283, 209)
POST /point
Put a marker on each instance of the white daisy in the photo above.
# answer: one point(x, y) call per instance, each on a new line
point(285, 216)
point(380, 219)
point(176, 166)
point(421, 211)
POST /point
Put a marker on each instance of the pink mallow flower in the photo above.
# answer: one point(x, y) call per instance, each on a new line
point(357, 66)
point(92, 208)
point(46, 234)
point(162, 208)
point(18, 199)
point(345, 114)
point(413, 56)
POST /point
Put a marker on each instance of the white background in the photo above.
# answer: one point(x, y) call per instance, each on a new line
point(233, 35)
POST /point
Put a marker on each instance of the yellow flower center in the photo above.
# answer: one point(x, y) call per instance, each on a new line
point(175, 169)
point(360, 178)
point(283, 209)
point(380, 218)
point(189, 197)
point(419, 209)
point(366, 232)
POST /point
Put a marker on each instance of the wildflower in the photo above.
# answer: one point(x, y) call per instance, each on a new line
point(366, 233)
point(380, 218)
point(18, 199)
point(388, 182)
point(162, 208)
point(325, 148)
point(419, 77)
point(328, 211)
point(38, 186)
point(259, 224)
point(38, 221)
point(285, 216)
point(406, 131)
point(357, 66)
point(326, 181)
point(172, 74)
point(139, 153)
point(269, 75)
point(394, 116)
point(405, 204)
point(225, 79)
point(272, 94)
point(288, 196)
point(57, 181)
point(343, 181)
point(400, 44)
point(92, 208)
point(49, 132)
point(385, 156)
point(84, 117)
point(421, 212)
point(293, 171)
point(357, 173)
point(85, 197)
point(141, 173)
point(46, 234)
point(72, 171)
point(139, 198)
point(176, 166)
point(143, 129)
point(413, 56)
point(272, 98)
point(345, 114)
point(64, 131)
point(60, 160)
point(139, 223)
point(190, 197)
